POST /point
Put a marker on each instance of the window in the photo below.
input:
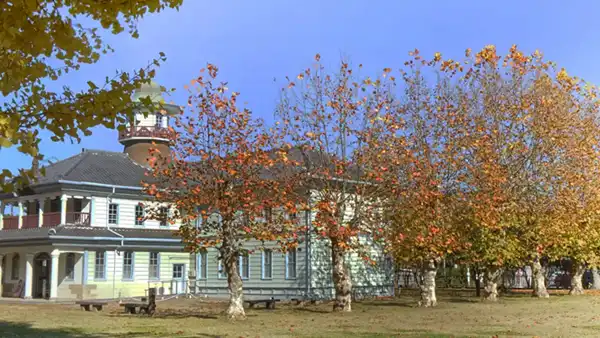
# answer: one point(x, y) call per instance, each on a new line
point(159, 120)
point(267, 264)
point(221, 270)
point(16, 261)
point(154, 269)
point(268, 214)
point(113, 213)
point(139, 215)
point(202, 265)
point(100, 265)
point(164, 216)
point(127, 265)
point(290, 264)
point(244, 263)
point(293, 216)
point(178, 271)
point(70, 266)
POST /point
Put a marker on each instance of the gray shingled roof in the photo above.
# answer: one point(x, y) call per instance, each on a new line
point(83, 232)
point(96, 166)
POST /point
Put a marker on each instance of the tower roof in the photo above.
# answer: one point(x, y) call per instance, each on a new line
point(152, 90)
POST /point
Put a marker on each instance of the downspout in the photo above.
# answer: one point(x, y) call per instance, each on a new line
point(109, 198)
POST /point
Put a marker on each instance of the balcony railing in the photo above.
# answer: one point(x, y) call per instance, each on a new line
point(30, 221)
point(10, 222)
point(51, 219)
point(145, 131)
point(79, 218)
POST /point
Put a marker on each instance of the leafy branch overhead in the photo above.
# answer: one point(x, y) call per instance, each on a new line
point(41, 41)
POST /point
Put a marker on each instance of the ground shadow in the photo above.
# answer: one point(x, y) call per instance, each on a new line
point(313, 310)
point(18, 329)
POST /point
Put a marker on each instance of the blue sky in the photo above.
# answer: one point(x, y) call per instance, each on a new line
point(253, 42)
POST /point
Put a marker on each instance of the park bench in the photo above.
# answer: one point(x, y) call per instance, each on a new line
point(148, 307)
point(86, 304)
point(270, 303)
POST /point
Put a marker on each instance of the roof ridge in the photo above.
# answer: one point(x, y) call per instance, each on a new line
point(59, 161)
point(68, 171)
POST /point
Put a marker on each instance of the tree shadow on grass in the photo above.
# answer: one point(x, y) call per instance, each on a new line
point(313, 310)
point(22, 329)
point(26, 330)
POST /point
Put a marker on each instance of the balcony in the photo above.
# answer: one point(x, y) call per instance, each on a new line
point(10, 222)
point(145, 132)
point(30, 221)
point(49, 219)
point(78, 218)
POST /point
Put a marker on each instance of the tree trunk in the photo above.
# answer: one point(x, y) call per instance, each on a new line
point(477, 281)
point(595, 279)
point(428, 298)
point(396, 283)
point(577, 270)
point(341, 280)
point(539, 278)
point(234, 283)
point(491, 278)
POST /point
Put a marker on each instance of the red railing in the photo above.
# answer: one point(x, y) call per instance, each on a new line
point(82, 218)
point(10, 222)
point(145, 131)
point(30, 221)
point(51, 219)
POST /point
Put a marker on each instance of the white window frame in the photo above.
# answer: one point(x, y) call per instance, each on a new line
point(102, 276)
point(156, 265)
point(116, 215)
point(244, 267)
point(139, 221)
point(267, 253)
point(131, 265)
point(291, 252)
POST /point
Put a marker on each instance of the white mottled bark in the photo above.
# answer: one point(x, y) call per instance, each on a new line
point(577, 271)
point(341, 281)
point(596, 279)
point(491, 279)
point(539, 279)
point(236, 296)
point(428, 298)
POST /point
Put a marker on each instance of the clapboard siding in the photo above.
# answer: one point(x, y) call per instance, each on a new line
point(126, 217)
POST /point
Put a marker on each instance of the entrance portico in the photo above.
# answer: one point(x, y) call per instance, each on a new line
point(40, 274)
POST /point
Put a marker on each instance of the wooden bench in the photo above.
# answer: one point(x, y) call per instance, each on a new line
point(86, 304)
point(270, 303)
point(138, 307)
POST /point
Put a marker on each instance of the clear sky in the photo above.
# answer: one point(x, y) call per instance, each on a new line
point(253, 42)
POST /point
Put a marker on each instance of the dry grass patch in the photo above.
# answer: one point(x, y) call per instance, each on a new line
point(513, 316)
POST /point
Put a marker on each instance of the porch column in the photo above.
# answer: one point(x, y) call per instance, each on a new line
point(1, 271)
point(84, 273)
point(20, 214)
point(91, 211)
point(63, 209)
point(28, 275)
point(41, 204)
point(54, 274)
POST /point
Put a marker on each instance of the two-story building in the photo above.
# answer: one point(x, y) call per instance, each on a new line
point(80, 232)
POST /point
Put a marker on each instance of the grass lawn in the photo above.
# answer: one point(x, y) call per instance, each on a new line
point(513, 316)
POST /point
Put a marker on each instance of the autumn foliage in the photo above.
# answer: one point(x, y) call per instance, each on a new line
point(227, 180)
point(492, 161)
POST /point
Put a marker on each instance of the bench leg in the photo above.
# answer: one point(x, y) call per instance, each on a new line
point(98, 307)
point(86, 307)
point(251, 305)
